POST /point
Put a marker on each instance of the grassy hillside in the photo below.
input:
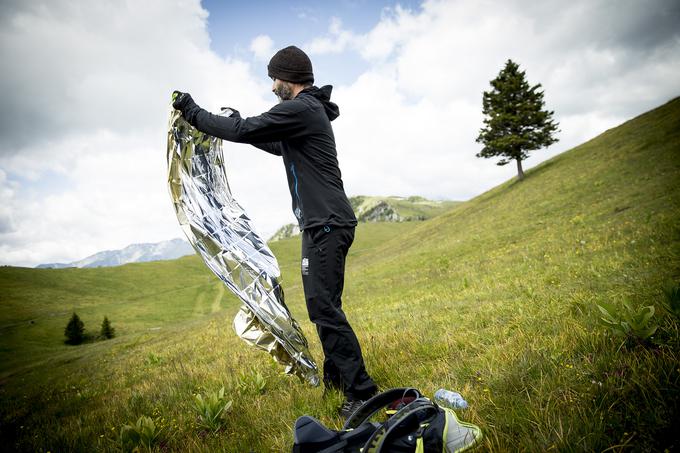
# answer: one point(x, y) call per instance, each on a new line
point(35, 302)
point(496, 299)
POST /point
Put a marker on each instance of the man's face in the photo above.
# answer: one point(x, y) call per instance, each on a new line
point(282, 90)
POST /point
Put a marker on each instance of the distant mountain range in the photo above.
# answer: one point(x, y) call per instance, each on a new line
point(383, 209)
point(135, 253)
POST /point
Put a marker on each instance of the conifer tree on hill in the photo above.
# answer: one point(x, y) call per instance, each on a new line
point(75, 330)
point(515, 121)
point(107, 331)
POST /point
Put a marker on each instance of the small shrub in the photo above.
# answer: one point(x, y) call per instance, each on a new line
point(259, 383)
point(672, 303)
point(627, 322)
point(75, 330)
point(143, 434)
point(211, 409)
point(251, 382)
point(153, 359)
point(107, 331)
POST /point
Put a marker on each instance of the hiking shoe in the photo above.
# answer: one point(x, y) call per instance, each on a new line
point(349, 407)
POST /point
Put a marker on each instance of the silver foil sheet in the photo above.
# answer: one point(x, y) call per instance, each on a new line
point(221, 232)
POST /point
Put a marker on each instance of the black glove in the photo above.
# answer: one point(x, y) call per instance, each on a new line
point(181, 101)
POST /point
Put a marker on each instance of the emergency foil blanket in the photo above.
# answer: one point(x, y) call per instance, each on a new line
point(221, 232)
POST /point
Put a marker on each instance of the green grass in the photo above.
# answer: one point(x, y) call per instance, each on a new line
point(496, 299)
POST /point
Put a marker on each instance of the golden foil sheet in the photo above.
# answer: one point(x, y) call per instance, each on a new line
point(221, 232)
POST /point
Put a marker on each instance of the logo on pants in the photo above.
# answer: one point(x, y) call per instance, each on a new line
point(305, 266)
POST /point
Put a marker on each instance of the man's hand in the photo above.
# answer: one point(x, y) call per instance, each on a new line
point(181, 101)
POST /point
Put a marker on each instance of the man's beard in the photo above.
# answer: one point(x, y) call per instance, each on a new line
point(284, 92)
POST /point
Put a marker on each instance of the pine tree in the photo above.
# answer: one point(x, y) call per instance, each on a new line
point(107, 331)
point(75, 330)
point(515, 122)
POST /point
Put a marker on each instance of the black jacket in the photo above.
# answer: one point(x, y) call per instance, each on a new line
point(300, 131)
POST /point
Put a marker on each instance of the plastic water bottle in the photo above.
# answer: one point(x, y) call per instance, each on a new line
point(452, 400)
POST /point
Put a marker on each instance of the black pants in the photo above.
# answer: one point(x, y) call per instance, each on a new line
point(323, 273)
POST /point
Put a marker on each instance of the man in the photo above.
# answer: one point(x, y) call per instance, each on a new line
point(299, 130)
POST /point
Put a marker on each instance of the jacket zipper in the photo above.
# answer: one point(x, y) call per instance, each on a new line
point(298, 210)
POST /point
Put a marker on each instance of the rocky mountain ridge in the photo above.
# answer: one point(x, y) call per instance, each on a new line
point(383, 209)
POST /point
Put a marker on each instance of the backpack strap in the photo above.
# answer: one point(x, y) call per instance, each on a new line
point(378, 402)
point(353, 438)
point(311, 435)
point(339, 447)
point(406, 415)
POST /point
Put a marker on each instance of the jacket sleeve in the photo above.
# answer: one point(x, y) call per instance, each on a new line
point(271, 147)
point(282, 122)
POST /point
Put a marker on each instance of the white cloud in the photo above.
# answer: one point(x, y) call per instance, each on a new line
point(6, 195)
point(263, 47)
point(396, 26)
point(403, 148)
point(336, 41)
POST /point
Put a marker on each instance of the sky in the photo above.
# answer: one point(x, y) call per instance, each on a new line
point(86, 86)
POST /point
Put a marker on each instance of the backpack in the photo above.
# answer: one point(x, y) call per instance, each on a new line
point(414, 425)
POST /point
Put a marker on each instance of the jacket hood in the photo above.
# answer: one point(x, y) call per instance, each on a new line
point(323, 94)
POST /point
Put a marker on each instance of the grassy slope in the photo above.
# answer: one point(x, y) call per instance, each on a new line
point(495, 299)
point(35, 302)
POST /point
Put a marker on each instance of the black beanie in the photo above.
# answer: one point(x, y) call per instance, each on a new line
point(292, 65)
